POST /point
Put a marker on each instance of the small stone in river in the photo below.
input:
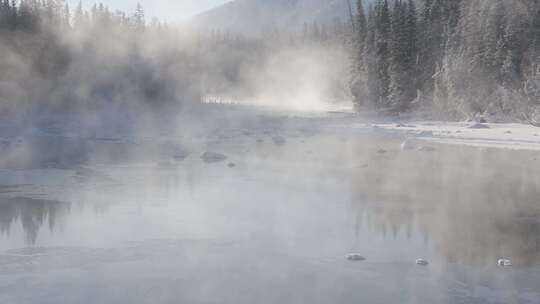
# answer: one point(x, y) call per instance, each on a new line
point(479, 126)
point(231, 165)
point(504, 262)
point(213, 157)
point(355, 257)
point(381, 151)
point(422, 262)
point(508, 132)
point(279, 140)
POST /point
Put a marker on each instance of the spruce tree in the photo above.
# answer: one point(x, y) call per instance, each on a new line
point(66, 18)
point(360, 23)
point(78, 17)
point(138, 18)
point(4, 14)
point(370, 58)
point(358, 81)
point(383, 53)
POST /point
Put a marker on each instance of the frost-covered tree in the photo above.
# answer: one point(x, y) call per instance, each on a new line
point(432, 46)
point(139, 20)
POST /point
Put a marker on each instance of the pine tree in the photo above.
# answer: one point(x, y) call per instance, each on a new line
point(412, 39)
point(27, 19)
point(78, 17)
point(5, 9)
point(383, 53)
point(399, 70)
point(535, 30)
point(66, 20)
point(433, 38)
point(358, 81)
point(496, 47)
point(13, 12)
point(370, 59)
point(138, 18)
point(360, 23)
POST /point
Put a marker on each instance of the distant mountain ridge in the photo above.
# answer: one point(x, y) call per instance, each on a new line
point(256, 16)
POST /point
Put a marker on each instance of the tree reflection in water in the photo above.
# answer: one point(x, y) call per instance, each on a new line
point(474, 204)
point(32, 214)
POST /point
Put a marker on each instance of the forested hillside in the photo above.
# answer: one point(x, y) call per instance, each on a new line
point(456, 58)
point(254, 17)
point(80, 60)
point(55, 57)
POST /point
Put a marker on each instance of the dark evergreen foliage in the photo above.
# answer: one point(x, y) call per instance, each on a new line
point(461, 56)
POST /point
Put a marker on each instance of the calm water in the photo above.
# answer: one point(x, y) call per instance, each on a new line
point(275, 228)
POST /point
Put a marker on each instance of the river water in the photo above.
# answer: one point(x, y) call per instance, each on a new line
point(273, 223)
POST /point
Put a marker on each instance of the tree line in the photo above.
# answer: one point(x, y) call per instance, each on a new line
point(460, 58)
point(54, 56)
point(36, 15)
point(63, 59)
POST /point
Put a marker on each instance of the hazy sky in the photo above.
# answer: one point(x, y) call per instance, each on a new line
point(170, 10)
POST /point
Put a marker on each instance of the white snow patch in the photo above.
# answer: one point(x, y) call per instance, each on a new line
point(510, 136)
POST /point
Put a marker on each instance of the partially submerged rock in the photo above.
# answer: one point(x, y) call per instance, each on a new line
point(213, 157)
point(231, 165)
point(381, 151)
point(355, 257)
point(479, 126)
point(422, 262)
point(504, 262)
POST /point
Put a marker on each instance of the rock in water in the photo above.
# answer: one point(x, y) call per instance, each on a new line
point(279, 140)
point(479, 126)
point(213, 157)
point(231, 165)
point(355, 257)
point(504, 262)
point(381, 151)
point(422, 262)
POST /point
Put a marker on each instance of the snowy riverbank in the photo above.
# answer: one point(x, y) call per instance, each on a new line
point(509, 136)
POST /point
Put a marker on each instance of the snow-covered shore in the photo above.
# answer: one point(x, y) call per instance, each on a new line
point(509, 136)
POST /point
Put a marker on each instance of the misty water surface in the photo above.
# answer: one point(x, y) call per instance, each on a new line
point(271, 224)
